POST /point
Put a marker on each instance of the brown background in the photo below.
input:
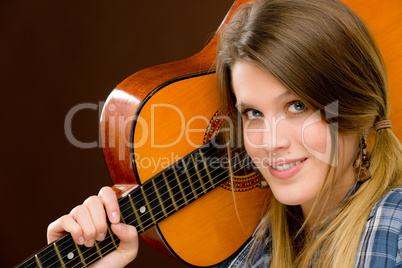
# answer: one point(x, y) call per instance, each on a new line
point(58, 54)
point(55, 55)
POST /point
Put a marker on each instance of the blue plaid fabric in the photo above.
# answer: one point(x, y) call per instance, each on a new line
point(380, 245)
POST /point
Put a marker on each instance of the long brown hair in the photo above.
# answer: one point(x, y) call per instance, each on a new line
point(321, 51)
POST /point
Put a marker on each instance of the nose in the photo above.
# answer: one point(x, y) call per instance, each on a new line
point(271, 135)
point(277, 138)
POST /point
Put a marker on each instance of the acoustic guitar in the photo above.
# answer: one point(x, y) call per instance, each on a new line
point(159, 131)
point(170, 171)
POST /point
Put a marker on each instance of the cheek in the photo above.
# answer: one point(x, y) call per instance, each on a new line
point(316, 139)
point(250, 142)
point(253, 136)
point(253, 133)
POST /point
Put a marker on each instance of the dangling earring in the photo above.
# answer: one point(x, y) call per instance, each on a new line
point(262, 183)
point(362, 163)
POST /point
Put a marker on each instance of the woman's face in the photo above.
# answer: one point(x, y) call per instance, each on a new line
point(289, 143)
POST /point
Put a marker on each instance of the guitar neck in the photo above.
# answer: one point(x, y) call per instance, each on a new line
point(177, 186)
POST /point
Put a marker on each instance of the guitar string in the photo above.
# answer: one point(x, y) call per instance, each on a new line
point(181, 199)
point(192, 172)
point(141, 200)
point(104, 246)
point(176, 193)
point(152, 223)
point(180, 191)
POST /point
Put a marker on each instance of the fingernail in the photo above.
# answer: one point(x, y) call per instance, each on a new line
point(115, 217)
point(100, 237)
point(90, 243)
point(81, 240)
point(121, 227)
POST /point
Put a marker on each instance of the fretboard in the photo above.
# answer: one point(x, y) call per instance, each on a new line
point(177, 186)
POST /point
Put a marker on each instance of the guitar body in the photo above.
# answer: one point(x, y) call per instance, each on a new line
point(153, 119)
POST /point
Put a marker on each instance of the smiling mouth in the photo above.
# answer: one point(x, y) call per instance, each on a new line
point(288, 166)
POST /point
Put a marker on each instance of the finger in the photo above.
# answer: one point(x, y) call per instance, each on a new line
point(127, 250)
point(83, 217)
point(63, 225)
point(98, 215)
point(109, 200)
point(128, 236)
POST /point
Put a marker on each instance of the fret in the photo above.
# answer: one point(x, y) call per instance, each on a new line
point(166, 195)
point(199, 183)
point(174, 186)
point(207, 184)
point(206, 167)
point(58, 255)
point(170, 192)
point(127, 211)
point(111, 236)
point(159, 198)
point(154, 202)
point(217, 173)
point(204, 190)
point(136, 213)
point(122, 218)
point(38, 261)
point(180, 186)
point(30, 263)
point(185, 181)
point(68, 253)
point(191, 181)
point(90, 255)
point(147, 204)
point(141, 209)
point(107, 245)
point(80, 254)
point(98, 249)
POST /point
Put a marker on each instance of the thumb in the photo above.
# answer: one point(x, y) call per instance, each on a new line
point(127, 250)
point(128, 237)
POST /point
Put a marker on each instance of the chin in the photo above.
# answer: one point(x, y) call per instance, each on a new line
point(289, 202)
point(290, 198)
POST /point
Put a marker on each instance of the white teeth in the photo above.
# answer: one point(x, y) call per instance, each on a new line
point(287, 166)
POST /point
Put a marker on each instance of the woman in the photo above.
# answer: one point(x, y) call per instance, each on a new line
point(310, 86)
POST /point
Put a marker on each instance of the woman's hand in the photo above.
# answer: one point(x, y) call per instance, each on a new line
point(87, 223)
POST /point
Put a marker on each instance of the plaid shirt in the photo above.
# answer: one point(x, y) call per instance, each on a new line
point(380, 244)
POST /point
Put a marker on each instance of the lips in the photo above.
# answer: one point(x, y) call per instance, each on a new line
point(286, 169)
point(287, 166)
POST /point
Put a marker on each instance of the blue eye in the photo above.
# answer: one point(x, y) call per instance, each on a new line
point(297, 107)
point(250, 114)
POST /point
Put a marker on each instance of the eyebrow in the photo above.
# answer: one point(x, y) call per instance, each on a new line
point(282, 96)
